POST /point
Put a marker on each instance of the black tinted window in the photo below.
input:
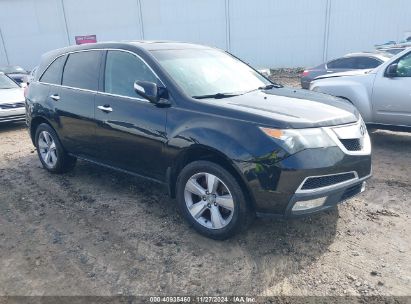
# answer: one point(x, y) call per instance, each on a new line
point(367, 63)
point(122, 70)
point(54, 71)
point(82, 70)
point(404, 66)
point(342, 63)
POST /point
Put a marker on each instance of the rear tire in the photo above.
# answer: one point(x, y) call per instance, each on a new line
point(51, 153)
point(211, 200)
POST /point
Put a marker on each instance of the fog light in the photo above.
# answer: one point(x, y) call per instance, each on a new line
point(363, 187)
point(310, 204)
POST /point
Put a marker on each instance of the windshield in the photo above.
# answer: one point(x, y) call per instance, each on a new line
point(202, 72)
point(7, 83)
point(12, 69)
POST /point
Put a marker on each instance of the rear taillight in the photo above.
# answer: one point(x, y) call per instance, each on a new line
point(305, 73)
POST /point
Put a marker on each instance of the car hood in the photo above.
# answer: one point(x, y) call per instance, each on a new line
point(11, 95)
point(346, 73)
point(292, 108)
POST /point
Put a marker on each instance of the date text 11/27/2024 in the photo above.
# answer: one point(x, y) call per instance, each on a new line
point(203, 299)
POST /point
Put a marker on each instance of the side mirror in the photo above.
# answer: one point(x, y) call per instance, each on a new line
point(151, 92)
point(391, 71)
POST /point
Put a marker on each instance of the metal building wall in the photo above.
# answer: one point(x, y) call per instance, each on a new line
point(278, 33)
point(357, 25)
point(31, 28)
point(265, 33)
point(3, 54)
point(196, 21)
point(108, 19)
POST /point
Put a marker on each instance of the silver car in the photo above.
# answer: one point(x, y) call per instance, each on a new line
point(12, 105)
point(353, 61)
point(382, 95)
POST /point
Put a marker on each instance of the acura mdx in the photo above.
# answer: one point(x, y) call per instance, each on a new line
point(224, 140)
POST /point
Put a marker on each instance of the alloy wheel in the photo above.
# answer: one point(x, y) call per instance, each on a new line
point(47, 148)
point(209, 200)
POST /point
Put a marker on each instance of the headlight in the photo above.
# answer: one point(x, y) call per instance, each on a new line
point(295, 140)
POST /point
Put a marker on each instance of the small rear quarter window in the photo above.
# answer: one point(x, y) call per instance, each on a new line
point(54, 71)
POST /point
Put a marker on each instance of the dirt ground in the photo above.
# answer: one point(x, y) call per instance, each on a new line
point(98, 232)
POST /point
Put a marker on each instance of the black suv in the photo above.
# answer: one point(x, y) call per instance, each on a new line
point(224, 140)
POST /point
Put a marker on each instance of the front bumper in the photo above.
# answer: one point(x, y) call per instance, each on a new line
point(313, 179)
point(329, 197)
point(276, 187)
point(13, 114)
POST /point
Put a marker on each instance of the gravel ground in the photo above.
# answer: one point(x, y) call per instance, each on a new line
point(287, 77)
point(98, 232)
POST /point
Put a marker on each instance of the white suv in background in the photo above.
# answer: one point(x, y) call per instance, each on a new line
point(382, 95)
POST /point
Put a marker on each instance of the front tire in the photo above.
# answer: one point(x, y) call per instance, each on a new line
point(51, 153)
point(211, 200)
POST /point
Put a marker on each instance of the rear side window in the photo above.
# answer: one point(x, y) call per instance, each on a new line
point(122, 70)
point(54, 71)
point(342, 63)
point(367, 63)
point(82, 70)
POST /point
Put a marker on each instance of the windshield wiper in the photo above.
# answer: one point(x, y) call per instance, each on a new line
point(226, 95)
point(215, 96)
point(266, 87)
point(271, 86)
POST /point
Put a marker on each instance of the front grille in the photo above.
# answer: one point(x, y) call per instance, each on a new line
point(17, 105)
point(324, 181)
point(350, 192)
point(352, 144)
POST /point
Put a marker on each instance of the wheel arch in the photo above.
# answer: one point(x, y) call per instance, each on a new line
point(35, 122)
point(200, 152)
point(345, 98)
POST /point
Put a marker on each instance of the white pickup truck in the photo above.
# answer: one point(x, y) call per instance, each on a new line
point(382, 95)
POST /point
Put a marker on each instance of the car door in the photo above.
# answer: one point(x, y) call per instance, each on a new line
point(131, 130)
point(74, 102)
point(391, 97)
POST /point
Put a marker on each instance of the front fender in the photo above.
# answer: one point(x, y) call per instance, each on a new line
point(357, 93)
point(235, 138)
point(211, 139)
point(251, 152)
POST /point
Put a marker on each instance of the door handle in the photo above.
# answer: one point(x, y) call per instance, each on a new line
point(55, 97)
point(105, 108)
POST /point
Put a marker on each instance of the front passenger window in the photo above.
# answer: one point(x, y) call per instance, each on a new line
point(122, 70)
point(404, 66)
